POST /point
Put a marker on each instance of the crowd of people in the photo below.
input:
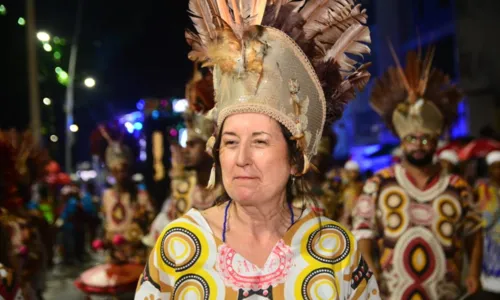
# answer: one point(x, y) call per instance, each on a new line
point(258, 208)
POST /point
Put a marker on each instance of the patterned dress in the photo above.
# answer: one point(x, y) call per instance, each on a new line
point(489, 203)
point(310, 262)
point(419, 232)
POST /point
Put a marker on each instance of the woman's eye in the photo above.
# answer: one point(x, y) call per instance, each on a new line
point(261, 142)
point(229, 143)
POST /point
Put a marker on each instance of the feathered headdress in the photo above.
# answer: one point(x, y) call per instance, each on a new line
point(112, 146)
point(296, 61)
point(29, 157)
point(200, 95)
point(417, 98)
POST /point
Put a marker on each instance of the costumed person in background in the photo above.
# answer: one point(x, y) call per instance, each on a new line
point(272, 103)
point(323, 185)
point(22, 249)
point(351, 190)
point(488, 194)
point(190, 176)
point(415, 214)
point(448, 159)
point(128, 213)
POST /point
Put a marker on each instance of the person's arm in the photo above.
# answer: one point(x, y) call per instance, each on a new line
point(364, 223)
point(472, 227)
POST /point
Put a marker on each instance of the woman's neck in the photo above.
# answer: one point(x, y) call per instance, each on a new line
point(262, 222)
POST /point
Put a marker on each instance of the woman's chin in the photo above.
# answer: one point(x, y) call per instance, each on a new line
point(244, 197)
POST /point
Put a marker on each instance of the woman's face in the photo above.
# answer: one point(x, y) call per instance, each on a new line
point(254, 159)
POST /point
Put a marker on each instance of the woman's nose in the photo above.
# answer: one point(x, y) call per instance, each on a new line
point(244, 155)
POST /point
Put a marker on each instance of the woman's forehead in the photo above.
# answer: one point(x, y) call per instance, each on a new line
point(250, 123)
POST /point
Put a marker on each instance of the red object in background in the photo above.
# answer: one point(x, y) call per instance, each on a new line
point(98, 245)
point(118, 240)
point(454, 146)
point(109, 279)
point(478, 148)
point(63, 179)
point(52, 167)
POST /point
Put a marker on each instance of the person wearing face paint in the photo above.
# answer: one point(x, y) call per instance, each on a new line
point(418, 216)
point(273, 96)
point(191, 165)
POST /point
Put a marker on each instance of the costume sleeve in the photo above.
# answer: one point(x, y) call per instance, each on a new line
point(359, 282)
point(363, 213)
point(472, 221)
point(156, 281)
point(488, 206)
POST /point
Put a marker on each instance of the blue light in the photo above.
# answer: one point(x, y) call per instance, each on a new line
point(140, 105)
point(138, 125)
point(155, 114)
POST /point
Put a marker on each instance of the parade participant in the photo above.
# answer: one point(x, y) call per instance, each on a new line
point(128, 213)
point(272, 102)
point(351, 190)
point(488, 193)
point(448, 159)
point(415, 214)
point(22, 252)
point(191, 165)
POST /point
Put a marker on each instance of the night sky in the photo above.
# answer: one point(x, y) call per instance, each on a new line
point(134, 50)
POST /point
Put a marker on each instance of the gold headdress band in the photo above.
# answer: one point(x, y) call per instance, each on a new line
point(417, 98)
point(286, 59)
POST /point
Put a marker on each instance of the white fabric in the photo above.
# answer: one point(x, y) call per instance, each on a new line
point(493, 157)
point(351, 165)
point(490, 284)
point(449, 155)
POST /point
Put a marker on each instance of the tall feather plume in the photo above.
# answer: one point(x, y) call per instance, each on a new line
point(332, 33)
point(418, 79)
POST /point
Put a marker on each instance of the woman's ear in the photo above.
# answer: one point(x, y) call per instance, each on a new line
point(294, 170)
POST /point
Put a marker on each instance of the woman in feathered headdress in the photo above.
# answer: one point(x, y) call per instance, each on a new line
point(281, 71)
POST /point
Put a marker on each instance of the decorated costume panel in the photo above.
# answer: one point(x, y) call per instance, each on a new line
point(419, 232)
point(312, 261)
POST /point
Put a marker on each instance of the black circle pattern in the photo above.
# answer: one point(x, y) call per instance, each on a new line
point(199, 279)
point(197, 253)
point(341, 257)
point(311, 276)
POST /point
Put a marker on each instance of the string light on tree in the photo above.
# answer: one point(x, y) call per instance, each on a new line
point(57, 55)
point(47, 101)
point(21, 21)
point(73, 128)
point(43, 36)
point(89, 82)
point(3, 10)
point(54, 138)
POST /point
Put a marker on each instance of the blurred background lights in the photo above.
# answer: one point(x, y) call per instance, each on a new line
point(183, 137)
point(140, 104)
point(21, 21)
point(180, 105)
point(155, 114)
point(3, 10)
point(47, 47)
point(73, 128)
point(43, 36)
point(47, 101)
point(57, 55)
point(89, 82)
point(129, 126)
point(173, 132)
point(138, 125)
point(54, 138)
